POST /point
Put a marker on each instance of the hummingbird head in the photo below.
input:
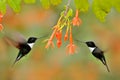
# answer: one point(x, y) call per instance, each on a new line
point(31, 40)
point(90, 44)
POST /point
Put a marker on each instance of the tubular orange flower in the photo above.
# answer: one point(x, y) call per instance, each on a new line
point(76, 20)
point(1, 17)
point(50, 43)
point(71, 48)
point(58, 35)
point(59, 42)
point(66, 36)
point(1, 27)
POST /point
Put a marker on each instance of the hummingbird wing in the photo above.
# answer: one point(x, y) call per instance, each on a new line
point(23, 51)
point(15, 40)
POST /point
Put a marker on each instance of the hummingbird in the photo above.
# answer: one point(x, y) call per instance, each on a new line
point(23, 45)
point(97, 52)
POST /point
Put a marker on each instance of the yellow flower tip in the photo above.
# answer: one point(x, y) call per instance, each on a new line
point(55, 27)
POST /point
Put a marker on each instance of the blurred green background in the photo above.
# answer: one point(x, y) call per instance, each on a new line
point(53, 64)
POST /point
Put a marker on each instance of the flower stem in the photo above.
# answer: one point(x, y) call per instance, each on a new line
point(67, 7)
point(71, 39)
point(77, 13)
point(53, 34)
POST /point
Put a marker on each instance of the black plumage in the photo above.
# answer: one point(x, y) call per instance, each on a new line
point(20, 43)
point(97, 52)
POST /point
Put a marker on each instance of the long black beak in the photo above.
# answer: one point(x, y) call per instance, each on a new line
point(79, 41)
point(43, 36)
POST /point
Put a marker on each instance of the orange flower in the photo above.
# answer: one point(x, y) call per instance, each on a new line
point(66, 36)
point(1, 27)
point(1, 17)
point(76, 20)
point(58, 35)
point(50, 43)
point(59, 42)
point(71, 48)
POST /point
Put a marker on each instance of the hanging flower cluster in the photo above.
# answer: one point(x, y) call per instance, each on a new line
point(76, 20)
point(1, 26)
point(65, 21)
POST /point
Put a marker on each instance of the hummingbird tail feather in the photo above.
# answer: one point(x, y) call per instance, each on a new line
point(14, 62)
point(107, 68)
point(105, 63)
point(17, 59)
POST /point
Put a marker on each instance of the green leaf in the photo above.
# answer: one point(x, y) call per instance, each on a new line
point(116, 4)
point(29, 1)
point(3, 6)
point(45, 3)
point(83, 5)
point(101, 8)
point(15, 5)
point(55, 2)
point(69, 13)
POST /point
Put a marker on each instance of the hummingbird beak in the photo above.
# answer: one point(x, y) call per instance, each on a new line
point(43, 36)
point(80, 41)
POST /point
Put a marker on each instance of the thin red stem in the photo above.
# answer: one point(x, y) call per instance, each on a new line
point(77, 13)
point(53, 34)
point(71, 40)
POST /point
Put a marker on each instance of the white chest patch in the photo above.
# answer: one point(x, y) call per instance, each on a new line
point(91, 49)
point(31, 44)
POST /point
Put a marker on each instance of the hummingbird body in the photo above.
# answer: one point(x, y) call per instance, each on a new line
point(25, 48)
point(18, 41)
point(97, 52)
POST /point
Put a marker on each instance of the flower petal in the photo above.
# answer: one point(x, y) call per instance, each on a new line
point(1, 27)
point(50, 43)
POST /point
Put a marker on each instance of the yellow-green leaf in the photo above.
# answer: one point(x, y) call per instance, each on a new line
point(55, 2)
point(3, 6)
point(29, 1)
point(15, 5)
point(45, 3)
point(69, 13)
point(116, 4)
point(101, 8)
point(83, 5)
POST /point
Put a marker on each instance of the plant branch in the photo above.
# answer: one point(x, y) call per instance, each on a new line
point(67, 7)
